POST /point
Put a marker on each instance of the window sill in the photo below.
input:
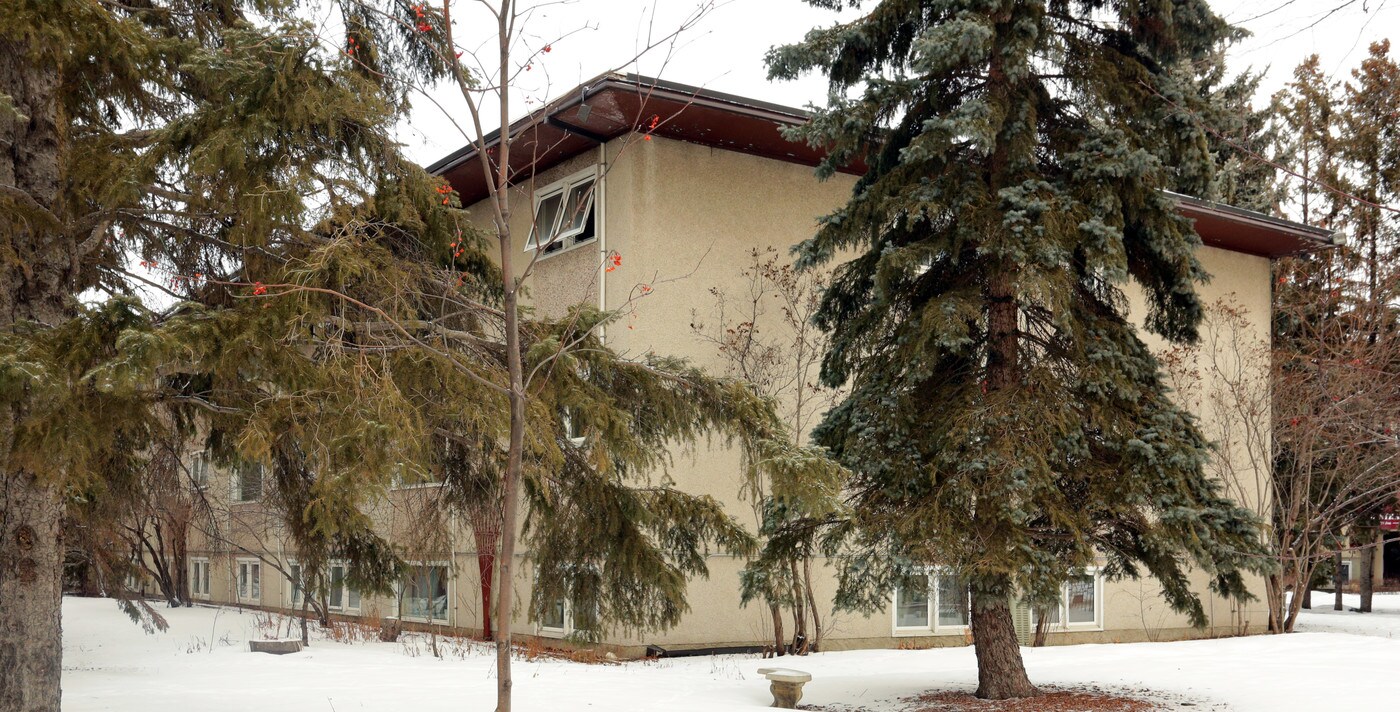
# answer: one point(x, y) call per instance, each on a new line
point(562, 250)
point(544, 632)
point(420, 485)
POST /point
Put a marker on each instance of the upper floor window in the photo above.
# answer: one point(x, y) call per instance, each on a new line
point(247, 482)
point(564, 213)
point(199, 469)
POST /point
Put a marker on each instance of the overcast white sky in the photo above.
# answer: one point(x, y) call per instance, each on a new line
point(724, 52)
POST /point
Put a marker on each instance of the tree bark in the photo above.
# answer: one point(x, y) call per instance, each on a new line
point(814, 645)
point(1337, 582)
point(1001, 675)
point(779, 645)
point(1367, 570)
point(32, 288)
point(799, 612)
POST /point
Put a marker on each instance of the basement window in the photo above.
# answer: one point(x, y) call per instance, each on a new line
point(564, 214)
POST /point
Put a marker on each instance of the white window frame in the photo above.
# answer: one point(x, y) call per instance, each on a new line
point(238, 580)
point(1064, 624)
point(933, 627)
point(400, 484)
point(236, 483)
point(564, 630)
point(200, 466)
point(297, 589)
point(449, 587)
point(567, 416)
point(567, 240)
point(199, 584)
point(1346, 571)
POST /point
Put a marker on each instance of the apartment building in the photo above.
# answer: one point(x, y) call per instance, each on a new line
point(683, 183)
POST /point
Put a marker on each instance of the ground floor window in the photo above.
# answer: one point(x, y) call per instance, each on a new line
point(934, 601)
point(425, 593)
point(199, 578)
point(1079, 605)
point(339, 595)
point(249, 580)
point(342, 597)
point(555, 617)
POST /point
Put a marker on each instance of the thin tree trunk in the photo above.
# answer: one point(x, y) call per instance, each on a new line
point(1307, 596)
point(1337, 582)
point(1042, 627)
point(799, 612)
point(305, 598)
point(1001, 675)
point(779, 645)
point(1366, 571)
point(815, 644)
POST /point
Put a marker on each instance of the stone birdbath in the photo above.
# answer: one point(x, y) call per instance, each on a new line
point(786, 685)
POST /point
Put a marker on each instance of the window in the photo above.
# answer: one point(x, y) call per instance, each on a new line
point(406, 477)
point(554, 617)
point(911, 606)
point(1078, 606)
point(425, 593)
point(247, 482)
point(342, 597)
point(564, 214)
point(339, 595)
point(943, 601)
point(199, 469)
point(1345, 571)
point(296, 580)
point(573, 427)
point(954, 602)
point(249, 580)
point(199, 578)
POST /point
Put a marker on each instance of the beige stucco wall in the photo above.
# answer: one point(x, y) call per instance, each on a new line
point(684, 218)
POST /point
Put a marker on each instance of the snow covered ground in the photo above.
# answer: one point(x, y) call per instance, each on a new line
point(203, 663)
point(1382, 621)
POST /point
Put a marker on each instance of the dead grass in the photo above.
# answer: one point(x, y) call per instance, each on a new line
point(1049, 701)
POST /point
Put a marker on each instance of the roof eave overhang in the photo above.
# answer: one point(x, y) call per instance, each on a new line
point(611, 105)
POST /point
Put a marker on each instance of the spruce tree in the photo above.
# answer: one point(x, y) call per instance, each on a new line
point(1005, 421)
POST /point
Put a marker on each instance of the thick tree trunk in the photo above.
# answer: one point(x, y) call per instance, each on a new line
point(31, 568)
point(1307, 597)
point(34, 287)
point(1001, 675)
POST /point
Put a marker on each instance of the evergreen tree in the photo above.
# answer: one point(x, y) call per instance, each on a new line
point(342, 321)
point(1005, 420)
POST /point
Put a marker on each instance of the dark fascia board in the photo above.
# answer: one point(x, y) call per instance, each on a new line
point(1312, 238)
point(626, 82)
point(1320, 238)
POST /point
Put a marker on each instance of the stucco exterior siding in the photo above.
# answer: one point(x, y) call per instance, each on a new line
point(684, 218)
